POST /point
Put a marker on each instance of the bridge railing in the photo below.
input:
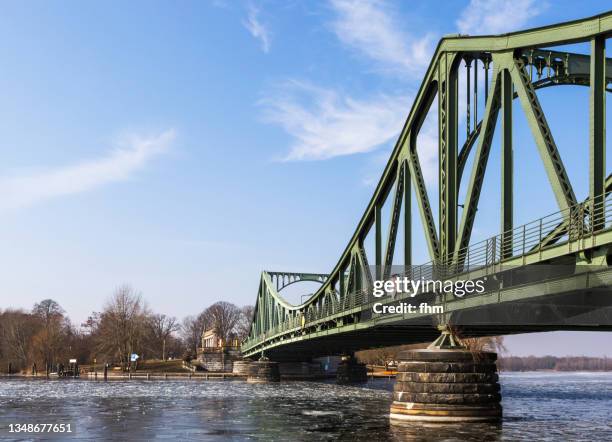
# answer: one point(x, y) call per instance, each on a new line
point(578, 222)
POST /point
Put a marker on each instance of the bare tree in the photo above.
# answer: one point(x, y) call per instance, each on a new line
point(49, 341)
point(224, 317)
point(485, 343)
point(161, 328)
point(17, 329)
point(243, 327)
point(122, 325)
point(192, 329)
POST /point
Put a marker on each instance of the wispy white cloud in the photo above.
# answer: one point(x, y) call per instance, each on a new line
point(132, 154)
point(376, 164)
point(497, 16)
point(325, 124)
point(368, 26)
point(256, 27)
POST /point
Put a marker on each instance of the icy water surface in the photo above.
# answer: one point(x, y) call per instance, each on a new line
point(537, 406)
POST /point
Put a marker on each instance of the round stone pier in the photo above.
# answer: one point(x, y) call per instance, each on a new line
point(263, 371)
point(446, 385)
point(350, 371)
point(241, 368)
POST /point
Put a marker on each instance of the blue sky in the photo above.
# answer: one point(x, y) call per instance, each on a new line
point(184, 147)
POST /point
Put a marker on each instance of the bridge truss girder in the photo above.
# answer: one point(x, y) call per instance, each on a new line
point(519, 67)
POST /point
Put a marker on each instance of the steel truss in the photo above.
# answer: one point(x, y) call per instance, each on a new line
point(514, 66)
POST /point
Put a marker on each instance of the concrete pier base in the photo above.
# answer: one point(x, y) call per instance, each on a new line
point(301, 371)
point(241, 368)
point(350, 371)
point(263, 371)
point(446, 385)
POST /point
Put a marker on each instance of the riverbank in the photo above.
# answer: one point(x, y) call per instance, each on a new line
point(134, 376)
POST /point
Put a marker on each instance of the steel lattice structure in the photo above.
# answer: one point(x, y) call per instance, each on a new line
point(515, 66)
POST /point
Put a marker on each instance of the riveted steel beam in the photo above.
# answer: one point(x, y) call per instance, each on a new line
point(416, 174)
point(561, 229)
point(378, 240)
point(429, 226)
point(464, 153)
point(407, 216)
point(597, 130)
point(394, 221)
point(447, 158)
point(480, 164)
point(555, 170)
point(507, 173)
point(363, 266)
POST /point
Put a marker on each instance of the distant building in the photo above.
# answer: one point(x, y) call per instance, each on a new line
point(211, 340)
point(217, 355)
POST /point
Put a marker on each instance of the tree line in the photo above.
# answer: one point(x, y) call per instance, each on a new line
point(568, 363)
point(387, 356)
point(44, 336)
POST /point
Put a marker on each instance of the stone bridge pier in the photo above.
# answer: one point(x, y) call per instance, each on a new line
point(446, 383)
point(262, 371)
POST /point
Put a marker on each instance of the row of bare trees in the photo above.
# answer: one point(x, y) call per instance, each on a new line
point(568, 363)
point(45, 336)
point(42, 336)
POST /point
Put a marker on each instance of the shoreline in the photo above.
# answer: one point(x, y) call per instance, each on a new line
point(160, 376)
point(219, 376)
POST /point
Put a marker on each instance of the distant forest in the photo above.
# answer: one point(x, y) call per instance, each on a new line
point(389, 356)
point(569, 363)
point(45, 336)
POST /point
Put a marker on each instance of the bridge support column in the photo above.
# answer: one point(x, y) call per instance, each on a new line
point(446, 383)
point(350, 371)
point(241, 367)
point(262, 371)
point(300, 370)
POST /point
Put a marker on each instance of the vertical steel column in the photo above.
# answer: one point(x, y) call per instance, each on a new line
point(506, 165)
point(486, 78)
point(394, 221)
point(407, 216)
point(597, 131)
point(468, 65)
point(448, 113)
point(475, 92)
point(341, 282)
point(442, 156)
point(379, 252)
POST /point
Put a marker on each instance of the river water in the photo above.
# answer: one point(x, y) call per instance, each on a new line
point(537, 406)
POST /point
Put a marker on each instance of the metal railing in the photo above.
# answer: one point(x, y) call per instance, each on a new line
point(576, 223)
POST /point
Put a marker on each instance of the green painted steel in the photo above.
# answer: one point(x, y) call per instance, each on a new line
point(514, 66)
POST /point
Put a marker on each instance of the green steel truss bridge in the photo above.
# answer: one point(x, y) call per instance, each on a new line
point(554, 273)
